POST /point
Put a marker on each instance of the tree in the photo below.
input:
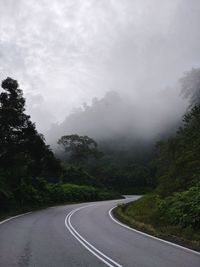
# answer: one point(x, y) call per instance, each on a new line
point(79, 148)
point(12, 123)
point(191, 86)
point(23, 151)
point(178, 159)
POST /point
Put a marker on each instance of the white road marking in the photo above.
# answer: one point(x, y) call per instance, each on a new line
point(153, 237)
point(105, 259)
point(11, 218)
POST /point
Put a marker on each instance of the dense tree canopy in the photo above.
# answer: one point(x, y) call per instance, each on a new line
point(30, 175)
point(190, 84)
point(179, 156)
point(79, 148)
point(23, 153)
point(22, 149)
point(173, 169)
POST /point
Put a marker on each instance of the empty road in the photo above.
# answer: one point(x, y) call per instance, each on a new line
point(84, 235)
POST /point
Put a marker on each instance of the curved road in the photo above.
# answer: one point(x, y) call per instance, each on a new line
point(84, 235)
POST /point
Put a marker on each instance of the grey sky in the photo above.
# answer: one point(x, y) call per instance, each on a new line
point(65, 52)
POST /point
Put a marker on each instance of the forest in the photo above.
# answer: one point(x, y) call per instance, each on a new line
point(172, 210)
point(30, 174)
point(166, 171)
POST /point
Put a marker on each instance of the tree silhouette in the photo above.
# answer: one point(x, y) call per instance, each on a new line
point(80, 148)
point(23, 151)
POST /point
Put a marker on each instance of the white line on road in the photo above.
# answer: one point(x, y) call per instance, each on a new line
point(153, 237)
point(11, 218)
point(85, 243)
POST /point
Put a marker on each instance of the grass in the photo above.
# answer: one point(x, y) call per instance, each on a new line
point(143, 215)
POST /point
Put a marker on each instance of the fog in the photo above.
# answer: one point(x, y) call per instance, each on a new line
point(122, 120)
point(102, 68)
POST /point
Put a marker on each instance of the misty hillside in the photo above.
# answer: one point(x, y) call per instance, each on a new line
point(120, 123)
point(101, 100)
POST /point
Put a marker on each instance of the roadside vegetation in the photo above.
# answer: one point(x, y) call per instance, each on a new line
point(175, 218)
point(33, 176)
point(172, 210)
point(30, 174)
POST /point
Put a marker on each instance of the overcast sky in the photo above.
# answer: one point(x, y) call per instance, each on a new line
point(66, 52)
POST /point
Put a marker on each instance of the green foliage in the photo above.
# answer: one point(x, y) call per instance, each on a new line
point(145, 209)
point(79, 175)
point(6, 196)
point(191, 85)
point(129, 177)
point(173, 210)
point(115, 171)
point(80, 148)
point(177, 198)
point(182, 208)
point(37, 192)
point(26, 195)
point(61, 193)
point(23, 151)
point(24, 158)
point(174, 218)
point(178, 158)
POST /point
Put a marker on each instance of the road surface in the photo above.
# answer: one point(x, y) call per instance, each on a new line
point(84, 235)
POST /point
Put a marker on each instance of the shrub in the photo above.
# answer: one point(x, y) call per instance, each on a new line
point(182, 208)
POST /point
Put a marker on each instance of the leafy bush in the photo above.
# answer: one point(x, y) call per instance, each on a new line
point(182, 208)
point(6, 196)
point(78, 175)
point(60, 193)
point(144, 209)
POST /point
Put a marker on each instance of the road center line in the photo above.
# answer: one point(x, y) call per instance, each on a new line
point(101, 256)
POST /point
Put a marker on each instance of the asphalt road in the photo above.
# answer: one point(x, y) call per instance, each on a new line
point(84, 235)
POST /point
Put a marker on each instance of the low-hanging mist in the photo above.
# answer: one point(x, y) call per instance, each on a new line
point(65, 53)
point(116, 118)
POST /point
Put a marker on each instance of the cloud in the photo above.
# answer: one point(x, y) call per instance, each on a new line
point(74, 50)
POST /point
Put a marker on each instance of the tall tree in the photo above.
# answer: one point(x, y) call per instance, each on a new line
point(79, 148)
point(23, 151)
point(190, 83)
point(178, 158)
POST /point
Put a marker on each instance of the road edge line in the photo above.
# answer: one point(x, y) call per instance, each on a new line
point(147, 235)
point(14, 217)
